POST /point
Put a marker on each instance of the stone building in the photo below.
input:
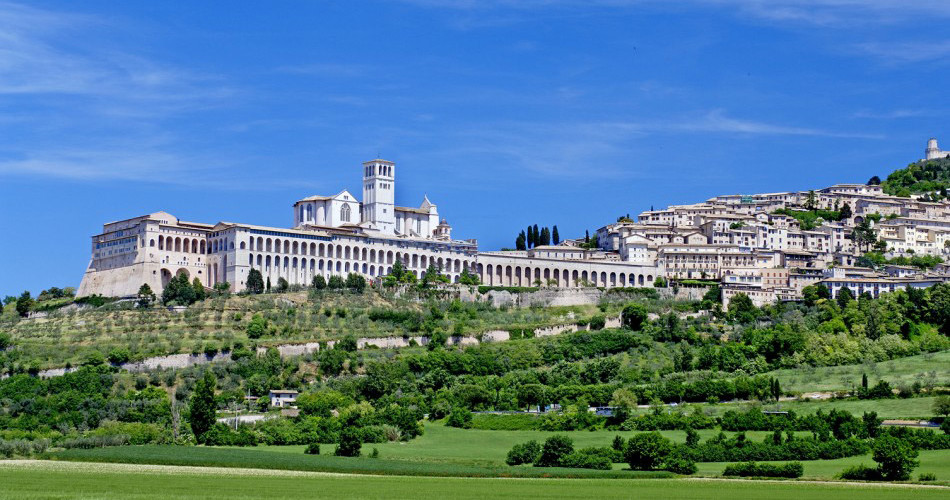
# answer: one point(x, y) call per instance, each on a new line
point(330, 235)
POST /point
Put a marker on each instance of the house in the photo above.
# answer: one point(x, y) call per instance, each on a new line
point(282, 398)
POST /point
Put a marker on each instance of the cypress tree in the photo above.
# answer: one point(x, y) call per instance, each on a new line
point(556, 238)
point(586, 236)
point(545, 236)
point(537, 235)
point(529, 237)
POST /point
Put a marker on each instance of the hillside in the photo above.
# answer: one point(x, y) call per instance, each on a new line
point(930, 177)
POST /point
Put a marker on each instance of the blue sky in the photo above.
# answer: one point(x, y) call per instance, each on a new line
point(504, 112)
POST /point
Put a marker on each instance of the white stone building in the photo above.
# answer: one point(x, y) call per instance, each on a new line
point(330, 235)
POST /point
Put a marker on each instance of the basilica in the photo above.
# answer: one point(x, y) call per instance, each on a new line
point(336, 234)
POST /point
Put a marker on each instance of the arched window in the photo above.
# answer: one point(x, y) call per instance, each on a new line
point(301, 213)
point(345, 213)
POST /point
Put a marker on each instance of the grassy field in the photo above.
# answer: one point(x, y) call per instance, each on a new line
point(913, 408)
point(486, 448)
point(35, 480)
point(295, 460)
point(928, 369)
point(934, 462)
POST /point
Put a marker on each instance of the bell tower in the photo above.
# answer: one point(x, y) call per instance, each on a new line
point(379, 198)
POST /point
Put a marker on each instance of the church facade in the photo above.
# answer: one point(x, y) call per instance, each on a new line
point(330, 235)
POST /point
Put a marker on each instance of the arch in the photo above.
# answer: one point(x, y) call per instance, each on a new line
point(613, 279)
point(339, 251)
point(346, 253)
point(269, 246)
point(194, 246)
point(650, 279)
point(338, 266)
point(295, 248)
point(422, 261)
point(242, 245)
point(389, 257)
point(345, 213)
point(267, 263)
point(177, 244)
point(151, 242)
point(320, 250)
point(161, 242)
point(603, 278)
point(258, 260)
point(313, 249)
point(166, 276)
point(286, 246)
point(250, 259)
point(203, 247)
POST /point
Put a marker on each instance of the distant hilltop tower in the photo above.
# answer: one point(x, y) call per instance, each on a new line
point(933, 152)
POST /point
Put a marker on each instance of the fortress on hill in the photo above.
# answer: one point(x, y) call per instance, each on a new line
point(753, 244)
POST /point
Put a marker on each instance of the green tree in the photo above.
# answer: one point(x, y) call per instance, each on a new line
point(634, 316)
point(811, 201)
point(335, 282)
point(267, 285)
point(845, 212)
point(199, 290)
point(844, 297)
point(256, 327)
point(942, 405)
point(319, 282)
point(554, 450)
point(520, 242)
point(895, 458)
point(145, 296)
point(555, 238)
point(282, 285)
point(255, 282)
point(647, 451)
point(874, 181)
point(179, 290)
point(203, 408)
point(355, 282)
point(24, 304)
point(742, 309)
point(351, 441)
point(467, 278)
point(545, 238)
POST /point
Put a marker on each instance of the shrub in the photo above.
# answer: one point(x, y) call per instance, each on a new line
point(523, 453)
point(634, 316)
point(647, 451)
point(460, 417)
point(860, 473)
point(554, 450)
point(350, 442)
point(598, 322)
point(589, 458)
point(753, 469)
point(679, 461)
point(312, 449)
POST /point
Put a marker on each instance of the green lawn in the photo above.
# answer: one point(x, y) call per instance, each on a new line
point(35, 480)
point(930, 368)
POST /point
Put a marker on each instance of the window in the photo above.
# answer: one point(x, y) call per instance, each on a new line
point(345, 213)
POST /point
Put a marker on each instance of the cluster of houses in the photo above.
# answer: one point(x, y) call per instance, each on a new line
point(753, 244)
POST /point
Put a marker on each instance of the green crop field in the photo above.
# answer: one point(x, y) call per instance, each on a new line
point(34, 480)
point(933, 462)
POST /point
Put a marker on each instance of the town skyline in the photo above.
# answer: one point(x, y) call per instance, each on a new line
point(487, 103)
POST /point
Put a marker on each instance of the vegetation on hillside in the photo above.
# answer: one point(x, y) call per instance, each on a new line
point(931, 178)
